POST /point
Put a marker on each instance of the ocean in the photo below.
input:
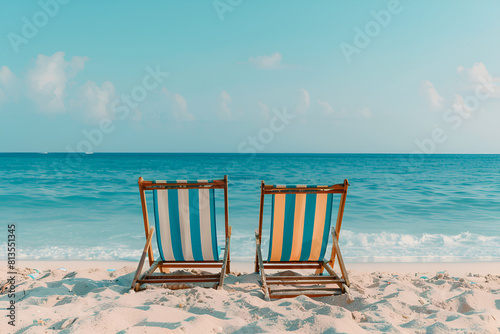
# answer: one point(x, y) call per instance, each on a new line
point(400, 208)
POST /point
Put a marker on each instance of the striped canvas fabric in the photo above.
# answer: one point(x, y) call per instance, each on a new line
point(185, 223)
point(300, 225)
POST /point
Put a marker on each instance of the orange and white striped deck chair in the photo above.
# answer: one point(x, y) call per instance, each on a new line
point(299, 233)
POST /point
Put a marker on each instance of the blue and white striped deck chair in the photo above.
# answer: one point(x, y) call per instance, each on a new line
point(299, 233)
point(185, 223)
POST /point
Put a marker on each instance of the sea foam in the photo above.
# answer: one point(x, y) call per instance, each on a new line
point(356, 247)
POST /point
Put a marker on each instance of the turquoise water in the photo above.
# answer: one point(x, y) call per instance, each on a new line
point(399, 207)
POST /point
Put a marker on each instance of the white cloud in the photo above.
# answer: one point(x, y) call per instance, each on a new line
point(180, 102)
point(477, 78)
point(459, 106)
point(303, 102)
point(48, 80)
point(433, 97)
point(3, 97)
point(94, 102)
point(181, 112)
point(223, 102)
point(264, 109)
point(326, 109)
point(272, 61)
point(6, 76)
point(477, 89)
point(137, 116)
point(327, 112)
point(477, 86)
point(366, 112)
point(179, 106)
point(477, 73)
point(9, 85)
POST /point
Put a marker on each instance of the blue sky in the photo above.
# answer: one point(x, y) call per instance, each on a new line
point(243, 76)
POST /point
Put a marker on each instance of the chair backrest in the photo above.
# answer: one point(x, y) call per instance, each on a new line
point(300, 221)
point(185, 219)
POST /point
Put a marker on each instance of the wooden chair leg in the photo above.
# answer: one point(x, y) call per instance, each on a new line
point(261, 265)
point(320, 270)
point(339, 257)
point(225, 263)
point(150, 271)
point(257, 238)
point(143, 257)
point(332, 273)
point(227, 251)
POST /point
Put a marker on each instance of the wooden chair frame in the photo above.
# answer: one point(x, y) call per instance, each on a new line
point(164, 266)
point(317, 284)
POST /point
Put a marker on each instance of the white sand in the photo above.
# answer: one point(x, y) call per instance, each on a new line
point(387, 297)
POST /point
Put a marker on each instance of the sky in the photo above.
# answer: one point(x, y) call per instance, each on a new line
point(250, 76)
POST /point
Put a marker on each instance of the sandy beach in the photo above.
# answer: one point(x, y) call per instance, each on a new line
point(361, 136)
point(94, 297)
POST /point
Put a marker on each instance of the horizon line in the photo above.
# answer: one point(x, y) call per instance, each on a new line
point(238, 153)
